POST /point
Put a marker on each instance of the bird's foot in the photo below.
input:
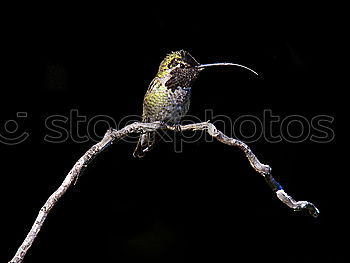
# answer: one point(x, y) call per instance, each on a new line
point(163, 123)
point(177, 127)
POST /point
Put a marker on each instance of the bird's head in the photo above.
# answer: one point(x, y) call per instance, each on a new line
point(181, 69)
point(177, 62)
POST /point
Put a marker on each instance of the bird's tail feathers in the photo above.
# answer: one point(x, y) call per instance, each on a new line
point(146, 143)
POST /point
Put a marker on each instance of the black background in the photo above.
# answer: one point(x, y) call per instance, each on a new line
point(205, 203)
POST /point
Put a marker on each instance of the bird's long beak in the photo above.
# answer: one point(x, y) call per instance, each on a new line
point(203, 66)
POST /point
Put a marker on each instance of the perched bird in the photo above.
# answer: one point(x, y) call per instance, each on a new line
point(167, 99)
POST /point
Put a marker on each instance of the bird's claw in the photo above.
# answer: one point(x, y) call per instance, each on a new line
point(177, 127)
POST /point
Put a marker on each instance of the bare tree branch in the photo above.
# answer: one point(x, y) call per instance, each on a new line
point(112, 136)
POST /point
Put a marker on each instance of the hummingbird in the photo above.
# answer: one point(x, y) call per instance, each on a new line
point(167, 98)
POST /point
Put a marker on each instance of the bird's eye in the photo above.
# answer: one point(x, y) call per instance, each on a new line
point(182, 65)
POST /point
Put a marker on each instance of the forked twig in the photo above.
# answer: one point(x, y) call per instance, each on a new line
point(113, 135)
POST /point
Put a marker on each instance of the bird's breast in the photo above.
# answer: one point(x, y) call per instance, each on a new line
point(163, 104)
